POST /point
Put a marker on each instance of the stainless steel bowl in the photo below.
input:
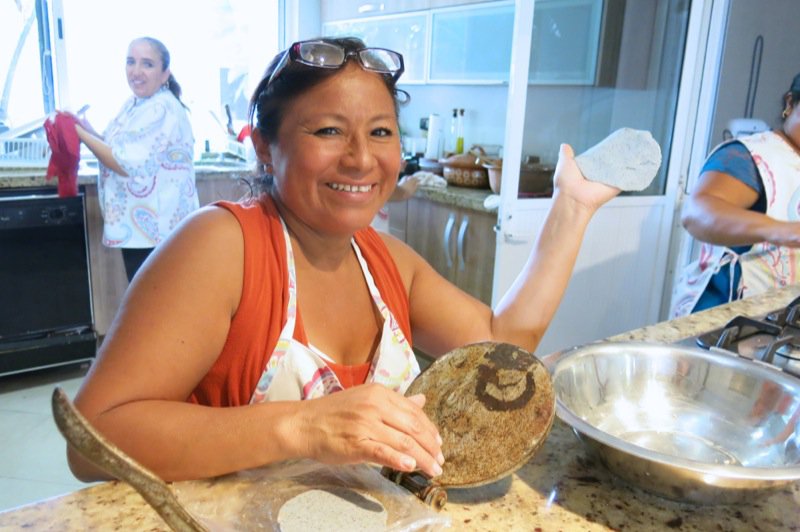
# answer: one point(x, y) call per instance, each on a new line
point(680, 422)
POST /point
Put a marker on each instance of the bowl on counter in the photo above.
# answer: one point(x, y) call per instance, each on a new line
point(466, 169)
point(681, 422)
point(534, 177)
point(430, 165)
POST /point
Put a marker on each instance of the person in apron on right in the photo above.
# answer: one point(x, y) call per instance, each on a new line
point(745, 209)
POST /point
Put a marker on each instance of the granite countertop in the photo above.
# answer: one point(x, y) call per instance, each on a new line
point(561, 488)
point(37, 177)
point(469, 198)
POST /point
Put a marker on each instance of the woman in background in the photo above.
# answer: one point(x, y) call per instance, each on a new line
point(745, 208)
point(146, 175)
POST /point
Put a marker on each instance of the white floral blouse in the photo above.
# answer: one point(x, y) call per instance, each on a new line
point(152, 140)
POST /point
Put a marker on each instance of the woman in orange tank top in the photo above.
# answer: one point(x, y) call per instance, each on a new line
point(293, 314)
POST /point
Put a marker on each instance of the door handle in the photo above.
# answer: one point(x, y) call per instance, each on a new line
point(462, 233)
point(448, 230)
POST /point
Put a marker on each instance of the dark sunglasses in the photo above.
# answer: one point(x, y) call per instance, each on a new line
point(323, 54)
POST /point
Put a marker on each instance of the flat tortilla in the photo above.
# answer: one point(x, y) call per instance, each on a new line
point(627, 159)
point(332, 508)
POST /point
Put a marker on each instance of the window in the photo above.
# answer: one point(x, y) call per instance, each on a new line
point(219, 50)
point(22, 100)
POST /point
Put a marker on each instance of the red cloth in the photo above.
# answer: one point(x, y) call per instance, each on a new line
point(243, 134)
point(255, 328)
point(66, 148)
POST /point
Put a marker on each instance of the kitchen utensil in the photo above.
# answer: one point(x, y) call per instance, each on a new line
point(108, 457)
point(229, 123)
point(466, 169)
point(684, 423)
point(493, 405)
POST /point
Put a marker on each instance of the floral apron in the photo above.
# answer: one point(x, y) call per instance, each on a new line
point(765, 265)
point(296, 372)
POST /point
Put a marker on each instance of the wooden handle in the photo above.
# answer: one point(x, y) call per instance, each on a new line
point(108, 457)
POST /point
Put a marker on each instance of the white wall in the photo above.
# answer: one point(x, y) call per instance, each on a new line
point(776, 21)
point(484, 110)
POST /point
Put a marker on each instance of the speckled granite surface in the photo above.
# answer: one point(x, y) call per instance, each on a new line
point(561, 488)
point(11, 178)
point(469, 198)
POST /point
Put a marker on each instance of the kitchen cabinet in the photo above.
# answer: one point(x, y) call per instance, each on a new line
point(565, 41)
point(472, 44)
point(440, 42)
point(458, 242)
point(404, 33)
point(108, 271)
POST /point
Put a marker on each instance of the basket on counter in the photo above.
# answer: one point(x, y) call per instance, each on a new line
point(466, 169)
point(24, 153)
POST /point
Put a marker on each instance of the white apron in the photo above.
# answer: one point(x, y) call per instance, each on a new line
point(765, 265)
point(296, 372)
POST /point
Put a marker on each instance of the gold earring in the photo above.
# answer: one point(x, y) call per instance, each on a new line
point(785, 114)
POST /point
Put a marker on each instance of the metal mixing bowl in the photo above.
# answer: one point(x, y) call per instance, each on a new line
point(681, 422)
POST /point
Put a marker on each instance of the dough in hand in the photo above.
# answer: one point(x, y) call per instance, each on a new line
point(627, 159)
point(332, 508)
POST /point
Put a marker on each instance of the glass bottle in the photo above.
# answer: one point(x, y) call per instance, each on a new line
point(451, 138)
point(460, 132)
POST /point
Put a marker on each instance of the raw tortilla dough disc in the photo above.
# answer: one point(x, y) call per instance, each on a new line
point(333, 508)
point(627, 159)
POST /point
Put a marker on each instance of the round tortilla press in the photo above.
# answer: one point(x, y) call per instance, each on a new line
point(493, 404)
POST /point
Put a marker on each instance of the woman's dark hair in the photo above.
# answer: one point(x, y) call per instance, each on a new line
point(270, 100)
point(794, 90)
point(172, 83)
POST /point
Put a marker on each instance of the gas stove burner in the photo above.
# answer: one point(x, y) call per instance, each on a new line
point(788, 316)
point(737, 330)
point(790, 349)
point(774, 340)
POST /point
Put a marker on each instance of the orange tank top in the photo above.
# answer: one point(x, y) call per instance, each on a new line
point(256, 327)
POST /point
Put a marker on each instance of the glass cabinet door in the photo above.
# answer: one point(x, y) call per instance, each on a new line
point(404, 33)
point(471, 45)
point(584, 85)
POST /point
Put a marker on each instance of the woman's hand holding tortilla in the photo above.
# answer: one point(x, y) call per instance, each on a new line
point(370, 423)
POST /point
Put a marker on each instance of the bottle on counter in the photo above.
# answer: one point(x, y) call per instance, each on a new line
point(460, 131)
point(451, 138)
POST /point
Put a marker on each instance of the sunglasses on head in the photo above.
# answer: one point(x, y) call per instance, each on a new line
point(322, 54)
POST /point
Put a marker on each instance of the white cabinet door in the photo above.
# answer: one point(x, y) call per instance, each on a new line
point(566, 38)
point(404, 33)
point(471, 44)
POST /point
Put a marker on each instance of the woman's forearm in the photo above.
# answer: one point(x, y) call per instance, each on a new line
point(100, 149)
point(182, 441)
point(718, 222)
point(531, 302)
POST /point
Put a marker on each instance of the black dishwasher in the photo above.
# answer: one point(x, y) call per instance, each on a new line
point(45, 290)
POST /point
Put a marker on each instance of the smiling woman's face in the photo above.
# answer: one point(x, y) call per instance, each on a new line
point(144, 69)
point(337, 156)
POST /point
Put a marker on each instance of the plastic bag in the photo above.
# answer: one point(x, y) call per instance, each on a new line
point(251, 499)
